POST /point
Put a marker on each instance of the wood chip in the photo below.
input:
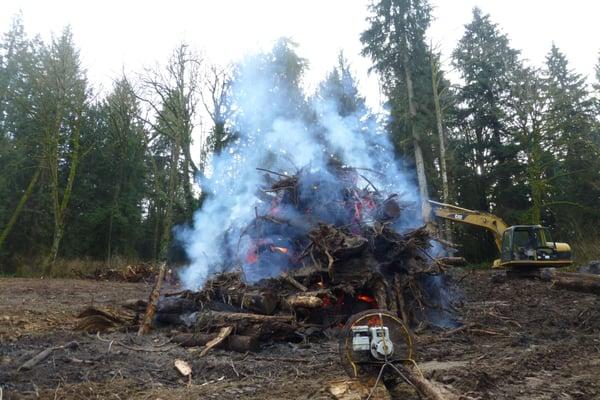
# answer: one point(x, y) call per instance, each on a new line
point(183, 367)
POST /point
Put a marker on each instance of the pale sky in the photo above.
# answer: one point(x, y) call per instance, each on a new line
point(129, 34)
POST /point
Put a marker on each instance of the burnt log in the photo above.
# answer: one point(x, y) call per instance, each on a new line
point(237, 343)
point(176, 305)
point(389, 210)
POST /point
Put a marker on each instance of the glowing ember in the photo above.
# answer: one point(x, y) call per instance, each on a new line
point(374, 321)
point(251, 258)
point(366, 298)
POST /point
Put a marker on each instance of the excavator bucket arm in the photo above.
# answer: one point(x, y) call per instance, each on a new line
point(485, 220)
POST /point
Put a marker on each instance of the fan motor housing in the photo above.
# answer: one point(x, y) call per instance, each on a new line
point(374, 340)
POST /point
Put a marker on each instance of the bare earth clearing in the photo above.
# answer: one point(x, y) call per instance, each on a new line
point(524, 341)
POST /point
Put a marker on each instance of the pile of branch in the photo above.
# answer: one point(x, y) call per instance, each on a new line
point(319, 249)
point(130, 273)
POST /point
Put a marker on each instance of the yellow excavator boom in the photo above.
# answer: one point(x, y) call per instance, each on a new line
point(485, 220)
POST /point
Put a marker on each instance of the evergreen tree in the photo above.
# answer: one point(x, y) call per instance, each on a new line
point(486, 63)
point(395, 41)
point(486, 153)
point(526, 112)
point(107, 202)
point(341, 86)
point(20, 140)
point(63, 97)
point(570, 124)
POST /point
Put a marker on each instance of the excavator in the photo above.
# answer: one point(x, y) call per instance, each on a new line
point(521, 247)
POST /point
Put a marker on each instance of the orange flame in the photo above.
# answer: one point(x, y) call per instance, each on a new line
point(374, 321)
point(281, 250)
point(366, 298)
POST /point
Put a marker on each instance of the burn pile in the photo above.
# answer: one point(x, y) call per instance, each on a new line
point(322, 245)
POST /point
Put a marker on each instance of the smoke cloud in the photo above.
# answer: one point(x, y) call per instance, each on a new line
point(278, 130)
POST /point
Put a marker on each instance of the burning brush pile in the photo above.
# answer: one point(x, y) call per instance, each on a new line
point(323, 245)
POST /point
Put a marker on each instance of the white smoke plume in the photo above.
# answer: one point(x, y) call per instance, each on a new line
point(274, 133)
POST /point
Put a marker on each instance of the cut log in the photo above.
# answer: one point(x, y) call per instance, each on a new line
point(238, 343)
point(146, 325)
point(304, 301)
point(225, 317)
point(587, 283)
point(262, 326)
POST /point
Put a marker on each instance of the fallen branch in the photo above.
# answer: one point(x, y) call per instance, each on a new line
point(146, 325)
point(452, 261)
point(294, 282)
point(41, 356)
point(457, 330)
point(425, 387)
point(223, 333)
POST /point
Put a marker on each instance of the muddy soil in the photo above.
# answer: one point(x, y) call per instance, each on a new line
point(521, 339)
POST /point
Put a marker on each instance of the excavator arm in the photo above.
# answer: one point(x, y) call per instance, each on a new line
point(488, 221)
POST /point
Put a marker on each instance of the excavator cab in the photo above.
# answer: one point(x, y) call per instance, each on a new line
point(532, 246)
point(521, 246)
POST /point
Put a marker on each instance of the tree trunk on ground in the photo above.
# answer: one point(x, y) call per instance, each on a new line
point(578, 282)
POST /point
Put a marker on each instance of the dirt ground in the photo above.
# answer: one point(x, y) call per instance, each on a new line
point(523, 340)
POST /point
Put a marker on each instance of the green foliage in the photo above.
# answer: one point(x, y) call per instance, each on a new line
point(396, 34)
point(570, 122)
point(102, 179)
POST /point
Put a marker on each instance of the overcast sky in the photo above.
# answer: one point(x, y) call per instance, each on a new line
point(113, 34)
